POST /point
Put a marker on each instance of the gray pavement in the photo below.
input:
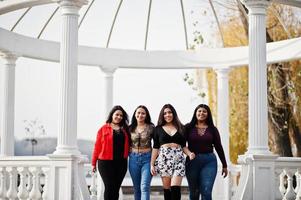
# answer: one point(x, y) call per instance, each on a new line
point(154, 196)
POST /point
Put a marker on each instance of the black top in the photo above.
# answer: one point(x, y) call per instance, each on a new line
point(161, 137)
point(205, 143)
point(118, 144)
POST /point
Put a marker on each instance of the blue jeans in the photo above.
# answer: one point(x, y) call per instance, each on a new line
point(201, 173)
point(139, 168)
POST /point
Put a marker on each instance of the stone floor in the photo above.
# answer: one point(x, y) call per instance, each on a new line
point(156, 193)
point(154, 196)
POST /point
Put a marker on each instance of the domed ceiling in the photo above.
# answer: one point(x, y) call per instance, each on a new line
point(131, 24)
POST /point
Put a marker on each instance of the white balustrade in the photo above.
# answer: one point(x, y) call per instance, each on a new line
point(297, 175)
point(46, 172)
point(2, 182)
point(32, 177)
point(29, 181)
point(22, 193)
point(234, 175)
point(282, 187)
point(287, 170)
point(35, 193)
point(22, 182)
point(12, 190)
point(93, 187)
point(298, 197)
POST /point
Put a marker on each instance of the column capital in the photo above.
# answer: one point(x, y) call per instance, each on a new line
point(9, 58)
point(76, 3)
point(108, 70)
point(222, 72)
point(256, 6)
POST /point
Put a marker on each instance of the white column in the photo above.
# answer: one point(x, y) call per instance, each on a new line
point(223, 108)
point(223, 122)
point(8, 105)
point(258, 105)
point(109, 88)
point(107, 106)
point(67, 133)
point(257, 180)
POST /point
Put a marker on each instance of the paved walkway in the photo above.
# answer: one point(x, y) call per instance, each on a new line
point(153, 197)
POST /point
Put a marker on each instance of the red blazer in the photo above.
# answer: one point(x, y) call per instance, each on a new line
point(103, 148)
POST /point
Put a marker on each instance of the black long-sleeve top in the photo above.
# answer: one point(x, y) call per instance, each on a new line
point(205, 143)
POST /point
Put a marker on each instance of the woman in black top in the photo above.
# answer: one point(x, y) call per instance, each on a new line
point(111, 151)
point(168, 158)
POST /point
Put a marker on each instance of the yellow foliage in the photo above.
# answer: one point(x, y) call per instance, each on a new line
point(238, 86)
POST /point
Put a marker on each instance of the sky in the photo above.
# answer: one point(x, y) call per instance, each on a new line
point(37, 95)
point(38, 82)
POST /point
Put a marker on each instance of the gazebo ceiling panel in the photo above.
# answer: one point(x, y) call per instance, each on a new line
point(166, 32)
point(125, 28)
point(138, 24)
point(31, 26)
point(97, 23)
point(8, 20)
point(130, 27)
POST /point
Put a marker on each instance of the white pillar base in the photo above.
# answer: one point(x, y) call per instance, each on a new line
point(68, 181)
point(66, 150)
point(258, 151)
point(257, 179)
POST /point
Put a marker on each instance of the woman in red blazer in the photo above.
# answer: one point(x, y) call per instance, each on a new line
point(111, 151)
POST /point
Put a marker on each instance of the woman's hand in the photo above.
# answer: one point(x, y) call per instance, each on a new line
point(191, 156)
point(225, 172)
point(93, 169)
point(153, 171)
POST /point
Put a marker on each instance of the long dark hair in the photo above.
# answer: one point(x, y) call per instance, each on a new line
point(134, 120)
point(124, 122)
point(208, 121)
point(175, 121)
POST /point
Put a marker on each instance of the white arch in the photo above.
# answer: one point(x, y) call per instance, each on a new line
point(206, 57)
point(12, 5)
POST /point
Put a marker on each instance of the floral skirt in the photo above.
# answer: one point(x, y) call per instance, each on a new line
point(170, 162)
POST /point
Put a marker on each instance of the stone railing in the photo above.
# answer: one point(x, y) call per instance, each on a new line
point(52, 177)
point(24, 177)
point(44, 177)
point(234, 176)
point(269, 177)
point(288, 178)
